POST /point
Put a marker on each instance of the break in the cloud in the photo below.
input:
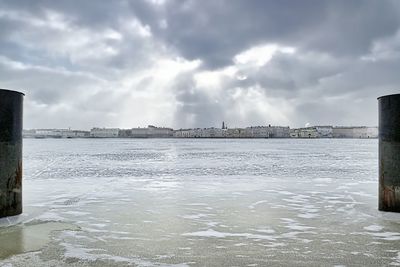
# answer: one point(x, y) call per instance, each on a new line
point(194, 63)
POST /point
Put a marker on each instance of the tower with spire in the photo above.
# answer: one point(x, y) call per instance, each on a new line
point(224, 126)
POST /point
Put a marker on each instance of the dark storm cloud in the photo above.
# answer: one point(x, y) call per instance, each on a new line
point(217, 30)
point(19, 29)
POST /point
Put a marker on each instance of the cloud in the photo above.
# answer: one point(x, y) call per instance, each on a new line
point(217, 30)
point(195, 63)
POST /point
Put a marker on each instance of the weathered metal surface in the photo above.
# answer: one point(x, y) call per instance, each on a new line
point(10, 152)
point(389, 153)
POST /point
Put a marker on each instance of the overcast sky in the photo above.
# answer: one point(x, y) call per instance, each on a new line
point(197, 63)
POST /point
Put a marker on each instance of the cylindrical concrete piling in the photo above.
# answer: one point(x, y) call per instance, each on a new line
point(389, 153)
point(11, 104)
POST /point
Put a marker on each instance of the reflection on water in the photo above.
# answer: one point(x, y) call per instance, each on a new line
point(28, 237)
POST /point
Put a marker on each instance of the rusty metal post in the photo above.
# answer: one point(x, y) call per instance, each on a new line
point(10, 152)
point(389, 153)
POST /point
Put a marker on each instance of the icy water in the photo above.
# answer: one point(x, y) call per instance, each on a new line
point(191, 202)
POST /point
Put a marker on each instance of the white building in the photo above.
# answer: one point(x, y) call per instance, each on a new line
point(355, 132)
point(335, 132)
point(159, 132)
point(200, 133)
point(48, 133)
point(55, 133)
point(188, 133)
point(151, 132)
point(211, 132)
point(279, 131)
point(267, 132)
point(104, 132)
point(372, 132)
point(235, 133)
point(138, 133)
point(76, 134)
point(258, 132)
point(312, 132)
point(308, 132)
point(324, 131)
point(249, 132)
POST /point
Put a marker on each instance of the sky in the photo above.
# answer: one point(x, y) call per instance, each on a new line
point(192, 63)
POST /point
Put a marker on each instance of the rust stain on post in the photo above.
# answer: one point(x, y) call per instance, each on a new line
point(10, 152)
point(389, 153)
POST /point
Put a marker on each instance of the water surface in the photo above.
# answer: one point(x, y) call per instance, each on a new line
point(201, 202)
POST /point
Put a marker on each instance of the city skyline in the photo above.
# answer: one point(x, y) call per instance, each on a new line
point(267, 131)
point(196, 63)
point(226, 126)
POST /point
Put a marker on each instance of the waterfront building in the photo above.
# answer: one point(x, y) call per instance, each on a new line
point(355, 132)
point(257, 132)
point(149, 132)
point(248, 132)
point(48, 133)
point(159, 132)
point(279, 131)
point(235, 133)
point(54, 133)
point(334, 132)
point(212, 133)
point(125, 133)
point(104, 132)
point(200, 133)
point(29, 133)
point(267, 132)
point(324, 131)
point(308, 132)
point(182, 133)
point(75, 134)
point(139, 132)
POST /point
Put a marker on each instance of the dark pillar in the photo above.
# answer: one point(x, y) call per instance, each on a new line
point(10, 152)
point(389, 153)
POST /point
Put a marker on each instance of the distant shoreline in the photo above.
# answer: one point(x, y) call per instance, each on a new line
point(65, 138)
point(252, 132)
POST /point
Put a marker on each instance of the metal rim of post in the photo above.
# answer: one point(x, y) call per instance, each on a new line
point(391, 95)
point(11, 91)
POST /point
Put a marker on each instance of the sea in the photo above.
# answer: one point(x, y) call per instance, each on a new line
point(200, 202)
